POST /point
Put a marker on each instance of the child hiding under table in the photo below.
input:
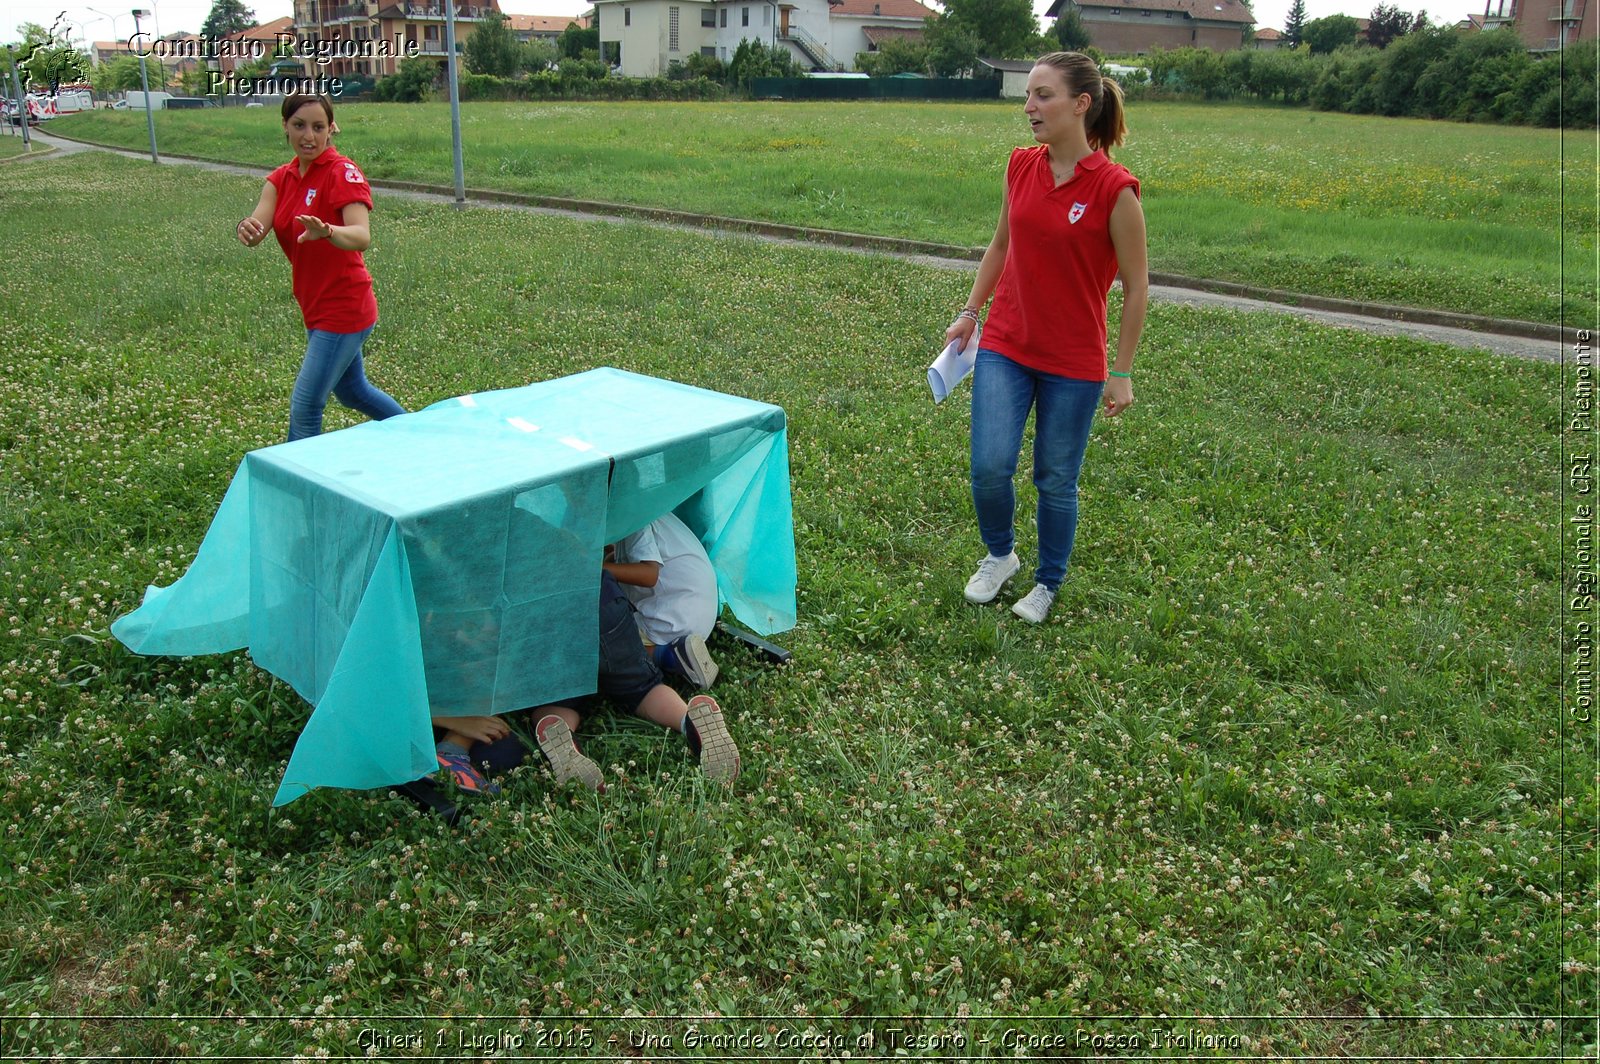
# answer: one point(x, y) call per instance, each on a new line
point(664, 570)
point(629, 678)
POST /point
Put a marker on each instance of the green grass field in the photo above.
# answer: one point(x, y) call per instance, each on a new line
point(11, 146)
point(1434, 214)
point(1289, 749)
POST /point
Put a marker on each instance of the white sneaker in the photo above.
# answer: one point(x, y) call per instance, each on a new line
point(1034, 607)
point(718, 753)
point(555, 742)
point(991, 576)
point(698, 664)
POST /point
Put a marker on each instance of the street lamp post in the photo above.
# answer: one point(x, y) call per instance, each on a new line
point(144, 79)
point(455, 98)
point(22, 101)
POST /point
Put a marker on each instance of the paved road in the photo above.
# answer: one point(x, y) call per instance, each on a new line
point(1515, 346)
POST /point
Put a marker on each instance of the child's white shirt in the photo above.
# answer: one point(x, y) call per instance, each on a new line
point(684, 599)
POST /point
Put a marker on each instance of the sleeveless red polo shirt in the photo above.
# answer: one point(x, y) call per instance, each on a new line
point(1049, 310)
point(331, 285)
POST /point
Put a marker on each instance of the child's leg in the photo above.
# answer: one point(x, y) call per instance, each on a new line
point(568, 715)
point(630, 678)
point(664, 706)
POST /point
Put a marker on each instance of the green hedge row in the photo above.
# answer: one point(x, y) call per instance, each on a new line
point(550, 85)
point(576, 80)
point(1431, 73)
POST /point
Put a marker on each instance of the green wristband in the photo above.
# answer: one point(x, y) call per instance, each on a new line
point(1118, 373)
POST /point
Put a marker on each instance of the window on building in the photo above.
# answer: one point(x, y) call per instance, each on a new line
point(672, 29)
point(709, 51)
point(1146, 14)
point(708, 18)
point(724, 18)
point(746, 21)
point(766, 15)
point(1116, 11)
point(627, 16)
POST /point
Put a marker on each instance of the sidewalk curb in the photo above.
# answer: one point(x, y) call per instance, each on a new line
point(1528, 330)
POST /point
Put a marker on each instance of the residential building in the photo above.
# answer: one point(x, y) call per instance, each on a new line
point(543, 27)
point(243, 48)
point(1544, 25)
point(1136, 26)
point(1268, 40)
point(648, 36)
point(157, 53)
point(1013, 74)
point(370, 37)
point(857, 26)
point(103, 52)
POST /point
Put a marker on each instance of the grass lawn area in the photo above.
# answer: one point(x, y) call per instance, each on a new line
point(1417, 213)
point(1290, 747)
point(11, 146)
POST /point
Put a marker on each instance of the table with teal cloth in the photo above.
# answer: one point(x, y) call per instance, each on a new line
point(447, 562)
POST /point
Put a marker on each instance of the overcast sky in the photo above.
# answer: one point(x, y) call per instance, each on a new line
point(172, 16)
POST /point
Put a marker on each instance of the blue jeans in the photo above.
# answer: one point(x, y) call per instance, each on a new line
point(333, 364)
point(1002, 393)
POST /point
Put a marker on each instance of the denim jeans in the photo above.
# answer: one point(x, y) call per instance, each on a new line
point(333, 364)
point(627, 672)
point(1002, 393)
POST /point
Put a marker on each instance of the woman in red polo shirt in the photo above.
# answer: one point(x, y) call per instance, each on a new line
point(1069, 221)
point(317, 206)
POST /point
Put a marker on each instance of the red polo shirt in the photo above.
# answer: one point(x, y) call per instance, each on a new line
point(1049, 309)
point(331, 285)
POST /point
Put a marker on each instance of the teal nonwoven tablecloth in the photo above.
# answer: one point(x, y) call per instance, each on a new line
point(447, 562)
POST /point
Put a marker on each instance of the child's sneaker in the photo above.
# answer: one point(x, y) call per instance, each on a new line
point(566, 762)
point(695, 660)
point(1034, 607)
point(991, 577)
point(465, 774)
point(708, 738)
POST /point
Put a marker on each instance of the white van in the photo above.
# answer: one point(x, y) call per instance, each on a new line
point(71, 101)
point(135, 100)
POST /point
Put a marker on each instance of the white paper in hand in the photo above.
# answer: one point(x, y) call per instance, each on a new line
point(953, 364)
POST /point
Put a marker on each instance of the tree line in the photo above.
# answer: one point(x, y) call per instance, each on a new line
point(1428, 72)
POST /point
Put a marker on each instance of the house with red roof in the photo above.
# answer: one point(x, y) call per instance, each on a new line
point(1134, 27)
point(1268, 40)
point(543, 27)
point(863, 25)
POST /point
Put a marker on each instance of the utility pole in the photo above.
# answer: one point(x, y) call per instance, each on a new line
point(144, 79)
point(455, 97)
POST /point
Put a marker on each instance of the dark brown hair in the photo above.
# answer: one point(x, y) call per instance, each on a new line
point(1105, 124)
point(295, 101)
